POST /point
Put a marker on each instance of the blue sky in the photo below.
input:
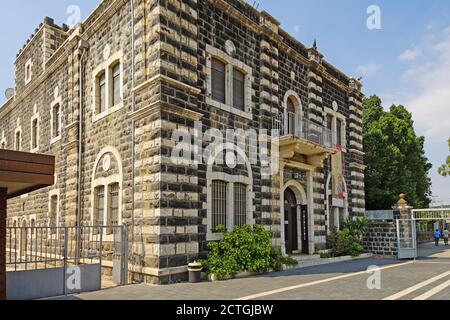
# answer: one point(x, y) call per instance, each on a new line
point(407, 61)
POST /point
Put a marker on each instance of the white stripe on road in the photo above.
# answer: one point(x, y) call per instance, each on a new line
point(418, 286)
point(309, 284)
point(434, 291)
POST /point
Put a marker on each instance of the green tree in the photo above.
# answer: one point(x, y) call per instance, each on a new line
point(395, 157)
point(444, 170)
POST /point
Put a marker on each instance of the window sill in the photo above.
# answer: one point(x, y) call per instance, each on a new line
point(55, 140)
point(104, 114)
point(230, 109)
point(214, 236)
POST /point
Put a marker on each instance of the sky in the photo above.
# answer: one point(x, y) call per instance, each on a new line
point(405, 60)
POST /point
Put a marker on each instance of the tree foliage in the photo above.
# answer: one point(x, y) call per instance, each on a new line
point(444, 170)
point(395, 157)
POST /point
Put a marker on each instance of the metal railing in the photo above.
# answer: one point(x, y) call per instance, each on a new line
point(292, 124)
point(431, 214)
point(33, 248)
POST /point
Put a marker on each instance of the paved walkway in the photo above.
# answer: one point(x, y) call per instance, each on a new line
point(339, 281)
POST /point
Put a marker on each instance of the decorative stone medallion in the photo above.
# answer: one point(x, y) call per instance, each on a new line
point(106, 163)
point(106, 52)
point(230, 48)
point(335, 106)
point(56, 92)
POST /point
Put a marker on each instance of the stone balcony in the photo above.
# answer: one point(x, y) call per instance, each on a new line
point(302, 140)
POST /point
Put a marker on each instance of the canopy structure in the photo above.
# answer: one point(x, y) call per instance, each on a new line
point(20, 173)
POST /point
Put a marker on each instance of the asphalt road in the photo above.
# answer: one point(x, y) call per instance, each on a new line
point(427, 278)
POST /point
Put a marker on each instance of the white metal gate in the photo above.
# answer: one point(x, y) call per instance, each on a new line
point(406, 239)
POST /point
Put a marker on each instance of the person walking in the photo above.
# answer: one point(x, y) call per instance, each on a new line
point(445, 233)
point(437, 237)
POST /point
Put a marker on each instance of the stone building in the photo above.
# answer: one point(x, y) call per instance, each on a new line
point(106, 96)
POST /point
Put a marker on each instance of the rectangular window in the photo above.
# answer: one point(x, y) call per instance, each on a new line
point(219, 204)
point(34, 134)
point(99, 205)
point(102, 93)
point(238, 90)
point(339, 132)
point(56, 121)
point(240, 204)
point(18, 140)
point(218, 75)
point(116, 84)
point(52, 223)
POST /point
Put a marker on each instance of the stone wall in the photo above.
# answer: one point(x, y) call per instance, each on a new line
point(381, 239)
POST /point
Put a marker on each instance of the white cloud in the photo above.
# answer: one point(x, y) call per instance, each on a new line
point(409, 55)
point(425, 91)
point(368, 69)
point(429, 84)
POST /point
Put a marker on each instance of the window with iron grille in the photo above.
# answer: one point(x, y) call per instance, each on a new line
point(238, 90)
point(116, 84)
point(113, 214)
point(218, 76)
point(56, 121)
point(219, 204)
point(99, 205)
point(34, 134)
point(240, 204)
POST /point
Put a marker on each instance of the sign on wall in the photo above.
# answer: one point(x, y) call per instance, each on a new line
point(338, 179)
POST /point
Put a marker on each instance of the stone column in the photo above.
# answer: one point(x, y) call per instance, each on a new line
point(3, 202)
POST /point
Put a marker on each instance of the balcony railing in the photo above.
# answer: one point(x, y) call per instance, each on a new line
point(295, 125)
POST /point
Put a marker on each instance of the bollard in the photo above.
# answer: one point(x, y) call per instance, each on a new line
point(195, 272)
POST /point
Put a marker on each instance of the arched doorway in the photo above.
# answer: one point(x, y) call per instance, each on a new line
point(293, 212)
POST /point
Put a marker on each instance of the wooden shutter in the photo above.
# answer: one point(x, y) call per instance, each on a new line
point(218, 74)
point(238, 90)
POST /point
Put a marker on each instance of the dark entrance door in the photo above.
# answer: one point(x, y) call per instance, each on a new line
point(290, 221)
point(304, 232)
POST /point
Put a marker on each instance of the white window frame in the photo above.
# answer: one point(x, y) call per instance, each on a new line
point(54, 139)
point(28, 65)
point(230, 64)
point(51, 194)
point(3, 142)
point(231, 180)
point(33, 118)
point(106, 66)
point(18, 130)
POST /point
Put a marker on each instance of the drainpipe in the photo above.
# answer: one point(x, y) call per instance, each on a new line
point(83, 46)
point(133, 107)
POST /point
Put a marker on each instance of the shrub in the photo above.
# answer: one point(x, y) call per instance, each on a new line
point(244, 249)
point(348, 240)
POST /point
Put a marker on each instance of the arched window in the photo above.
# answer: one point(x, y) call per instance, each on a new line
point(107, 190)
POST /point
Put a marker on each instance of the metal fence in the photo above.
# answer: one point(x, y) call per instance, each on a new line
point(34, 248)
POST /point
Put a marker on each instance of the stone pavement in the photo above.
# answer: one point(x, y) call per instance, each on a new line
point(339, 281)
